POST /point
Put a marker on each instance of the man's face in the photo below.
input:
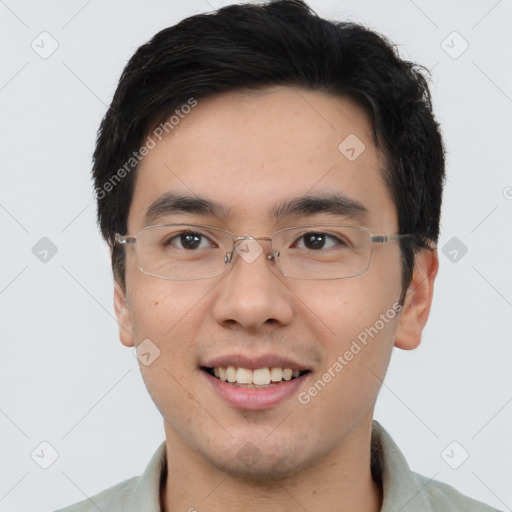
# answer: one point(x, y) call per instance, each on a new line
point(252, 153)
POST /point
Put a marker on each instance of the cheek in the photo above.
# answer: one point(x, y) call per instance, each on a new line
point(362, 324)
point(358, 319)
point(343, 309)
point(162, 313)
point(161, 308)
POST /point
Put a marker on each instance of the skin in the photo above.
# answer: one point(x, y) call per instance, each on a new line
point(249, 151)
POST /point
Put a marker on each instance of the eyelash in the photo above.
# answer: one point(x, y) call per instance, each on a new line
point(328, 236)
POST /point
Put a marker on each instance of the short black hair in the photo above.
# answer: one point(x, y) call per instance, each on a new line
point(283, 42)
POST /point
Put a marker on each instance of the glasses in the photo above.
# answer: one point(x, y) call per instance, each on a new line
point(185, 252)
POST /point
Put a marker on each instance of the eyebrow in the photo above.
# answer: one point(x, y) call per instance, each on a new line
point(172, 203)
point(334, 204)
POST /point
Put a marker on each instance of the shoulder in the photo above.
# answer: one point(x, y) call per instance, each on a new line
point(444, 497)
point(141, 493)
point(113, 499)
point(408, 491)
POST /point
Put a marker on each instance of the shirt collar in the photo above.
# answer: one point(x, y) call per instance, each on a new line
point(146, 493)
point(402, 491)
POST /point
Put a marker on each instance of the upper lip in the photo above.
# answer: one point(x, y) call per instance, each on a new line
point(254, 362)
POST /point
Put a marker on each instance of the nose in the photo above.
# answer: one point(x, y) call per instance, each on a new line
point(252, 294)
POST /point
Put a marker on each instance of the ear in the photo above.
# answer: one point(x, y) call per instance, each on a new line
point(123, 316)
point(418, 300)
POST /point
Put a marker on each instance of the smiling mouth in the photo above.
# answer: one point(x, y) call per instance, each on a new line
point(258, 378)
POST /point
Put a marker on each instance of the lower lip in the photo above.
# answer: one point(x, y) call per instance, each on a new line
point(254, 399)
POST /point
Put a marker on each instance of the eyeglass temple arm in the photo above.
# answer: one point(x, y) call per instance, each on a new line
point(384, 239)
point(125, 239)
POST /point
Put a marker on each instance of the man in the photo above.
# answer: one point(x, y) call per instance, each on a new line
point(270, 185)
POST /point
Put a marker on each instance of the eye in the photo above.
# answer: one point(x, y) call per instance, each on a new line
point(188, 240)
point(317, 241)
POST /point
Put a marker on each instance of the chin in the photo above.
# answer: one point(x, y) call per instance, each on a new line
point(261, 463)
point(263, 472)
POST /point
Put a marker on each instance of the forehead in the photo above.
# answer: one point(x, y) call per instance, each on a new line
point(253, 152)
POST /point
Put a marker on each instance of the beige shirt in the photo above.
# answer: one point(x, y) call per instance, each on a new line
point(403, 490)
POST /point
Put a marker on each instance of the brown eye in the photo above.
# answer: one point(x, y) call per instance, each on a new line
point(316, 241)
point(188, 240)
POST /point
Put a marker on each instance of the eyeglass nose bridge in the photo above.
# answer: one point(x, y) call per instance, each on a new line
point(237, 239)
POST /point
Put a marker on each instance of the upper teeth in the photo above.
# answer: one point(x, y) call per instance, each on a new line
point(260, 376)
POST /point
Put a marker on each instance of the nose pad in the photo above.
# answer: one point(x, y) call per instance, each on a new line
point(273, 256)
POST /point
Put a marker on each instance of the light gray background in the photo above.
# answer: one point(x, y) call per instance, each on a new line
point(65, 377)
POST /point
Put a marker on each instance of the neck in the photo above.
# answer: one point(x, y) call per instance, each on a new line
point(341, 481)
